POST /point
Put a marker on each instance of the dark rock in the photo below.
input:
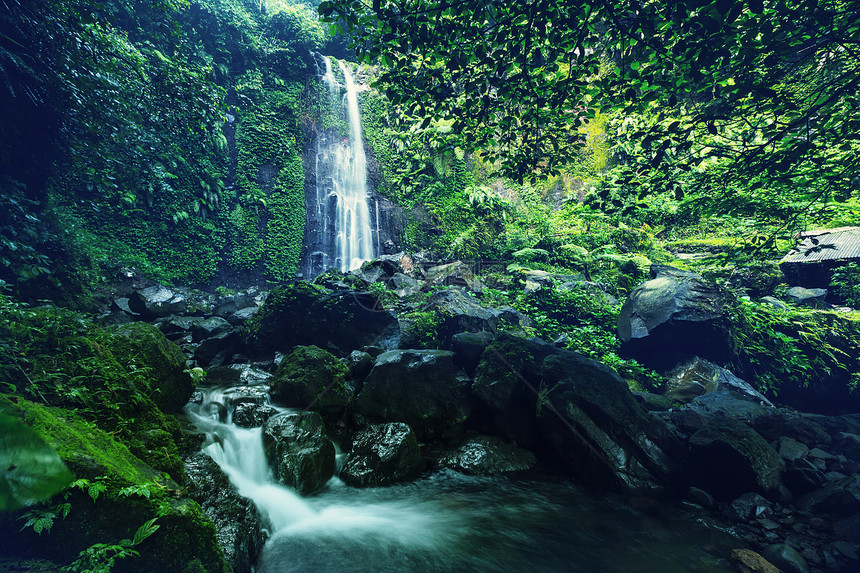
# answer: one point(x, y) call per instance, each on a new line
point(250, 415)
point(246, 395)
point(404, 285)
point(217, 350)
point(242, 316)
point(209, 327)
point(839, 498)
point(727, 458)
point(457, 273)
point(696, 377)
point(175, 327)
point(790, 449)
point(803, 428)
point(700, 497)
point(506, 387)
point(487, 455)
point(848, 445)
point(157, 301)
point(305, 314)
point(359, 364)
point(588, 416)
point(848, 528)
point(459, 312)
point(113, 319)
point(749, 506)
point(236, 519)
point(422, 388)
point(121, 305)
point(468, 348)
point(144, 346)
point(674, 317)
point(382, 454)
point(312, 378)
point(802, 477)
point(653, 402)
point(726, 402)
point(300, 454)
point(236, 375)
point(786, 558)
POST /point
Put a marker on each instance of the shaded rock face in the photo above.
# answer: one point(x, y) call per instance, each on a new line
point(382, 454)
point(144, 345)
point(300, 454)
point(422, 388)
point(728, 458)
point(840, 498)
point(461, 312)
point(310, 377)
point(487, 455)
point(595, 426)
point(305, 314)
point(237, 522)
point(673, 317)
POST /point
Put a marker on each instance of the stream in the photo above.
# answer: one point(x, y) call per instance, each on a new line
point(450, 522)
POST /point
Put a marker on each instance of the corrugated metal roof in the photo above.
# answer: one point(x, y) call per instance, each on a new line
point(826, 245)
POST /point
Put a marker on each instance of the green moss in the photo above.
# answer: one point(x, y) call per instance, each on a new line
point(312, 377)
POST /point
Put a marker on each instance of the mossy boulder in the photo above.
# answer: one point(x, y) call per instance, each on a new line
point(382, 454)
point(298, 450)
point(313, 378)
point(133, 493)
point(308, 314)
point(142, 345)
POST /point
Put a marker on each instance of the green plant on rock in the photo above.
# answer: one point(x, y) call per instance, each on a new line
point(846, 284)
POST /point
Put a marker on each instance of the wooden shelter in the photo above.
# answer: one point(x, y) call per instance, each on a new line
point(811, 262)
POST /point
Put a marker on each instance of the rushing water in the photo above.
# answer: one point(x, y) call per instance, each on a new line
point(340, 228)
point(448, 522)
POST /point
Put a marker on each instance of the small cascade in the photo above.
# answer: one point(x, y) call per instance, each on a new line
point(340, 231)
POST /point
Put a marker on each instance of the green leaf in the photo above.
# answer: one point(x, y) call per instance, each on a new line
point(31, 470)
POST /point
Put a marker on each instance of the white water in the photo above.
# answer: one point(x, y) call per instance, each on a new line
point(341, 223)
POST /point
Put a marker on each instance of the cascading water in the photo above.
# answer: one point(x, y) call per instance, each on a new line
point(448, 522)
point(340, 231)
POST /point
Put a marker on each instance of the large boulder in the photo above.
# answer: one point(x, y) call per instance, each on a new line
point(675, 316)
point(298, 451)
point(144, 346)
point(457, 273)
point(458, 311)
point(697, 377)
point(506, 386)
point(727, 458)
point(422, 388)
point(487, 455)
point(594, 426)
point(307, 314)
point(382, 454)
point(157, 301)
point(313, 378)
point(237, 522)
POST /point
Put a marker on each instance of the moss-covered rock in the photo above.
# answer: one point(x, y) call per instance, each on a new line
point(142, 345)
point(310, 377)
point(120, 493)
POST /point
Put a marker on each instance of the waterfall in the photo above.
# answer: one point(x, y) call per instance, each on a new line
point(339, 231)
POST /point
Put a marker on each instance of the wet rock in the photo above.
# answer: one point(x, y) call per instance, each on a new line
point(237, 374)
point(459, 312)
point(839, 498)
point(786, 558)
point(144, 346)
point(157, 301)
point(487, 455)
point(306, 314)
point(813, 297)
point(802, 477)
point(468, 348)
point(728, 403)
point(313, 378)
point(790, 449)
point(422, 388)
point(848, 528)
point(242, 316)
point(803, 428)
point(749, 506)
point(673, 317)
point(382, 454)
point(748, 561)
point(506, 387)
point(250, 415)
point(457, 273)
point(359, 364)
point(209, 327)
point(727, 458)
point(217, 350)
point(237, 522)
point(246, 395)
point(298, 451)
point(696, 377)
point(700, 497)
point(588, 416)
point(848, 445)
